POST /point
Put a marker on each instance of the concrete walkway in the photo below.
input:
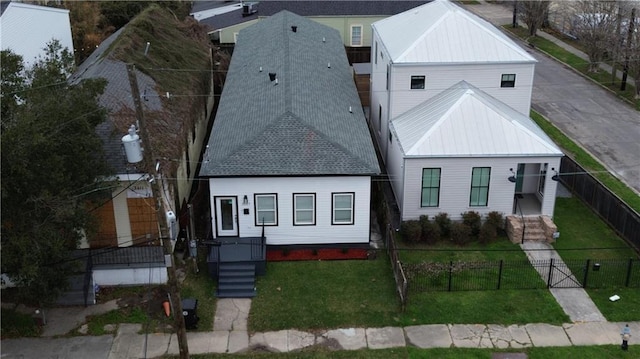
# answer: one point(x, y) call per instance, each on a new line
point(575, 302)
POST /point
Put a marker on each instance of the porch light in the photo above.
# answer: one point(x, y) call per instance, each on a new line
point(245, 200)
point(555, 177)
point(512, 178)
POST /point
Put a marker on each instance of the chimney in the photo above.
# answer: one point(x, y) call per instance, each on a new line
point(294, 28)
point(272, 76)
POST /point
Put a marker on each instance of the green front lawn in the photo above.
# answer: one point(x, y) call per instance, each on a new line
point(584, 236)
point(627, 308)
point(325, 294)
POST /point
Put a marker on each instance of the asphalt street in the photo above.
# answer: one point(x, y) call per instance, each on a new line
point(604, 125)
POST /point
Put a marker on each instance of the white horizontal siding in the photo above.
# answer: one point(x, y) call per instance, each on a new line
point(379, 94)
point(130, 276)
point(441, 77)
point(455, 185)
point(285, 233)
point(395, 169)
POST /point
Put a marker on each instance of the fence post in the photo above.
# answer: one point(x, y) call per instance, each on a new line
point(628, 279)
point(500, 274)
point(586, 273)
point(550, 273)
point(450, 273)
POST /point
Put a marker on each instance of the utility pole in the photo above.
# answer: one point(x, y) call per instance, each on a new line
point(174, 292)
point(625, 69)
point(515, 14)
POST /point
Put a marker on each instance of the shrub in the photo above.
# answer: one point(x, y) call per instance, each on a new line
point(460, 233)
point(411, 231)
point(430, 230)
point(488, 233)
point(496, 219)
point(444, 222)
point(473, 220)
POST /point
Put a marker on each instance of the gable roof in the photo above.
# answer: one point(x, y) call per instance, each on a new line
point(464, 121)
point(442, 32)
point(301, 7)
point(300, 124)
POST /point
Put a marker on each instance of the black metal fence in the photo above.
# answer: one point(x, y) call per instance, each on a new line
point(521, 274)
point(617, 214)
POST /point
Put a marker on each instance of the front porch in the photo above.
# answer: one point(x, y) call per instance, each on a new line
point(235, 262)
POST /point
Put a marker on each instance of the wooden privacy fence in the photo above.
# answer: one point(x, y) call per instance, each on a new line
point(617, 214)
point(522, 274)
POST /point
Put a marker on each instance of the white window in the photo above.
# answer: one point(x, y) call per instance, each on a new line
point(356, 35)
point(508, 80)
point(480, 177)
point(266, 209)
point(304, 209)
point(342, 204)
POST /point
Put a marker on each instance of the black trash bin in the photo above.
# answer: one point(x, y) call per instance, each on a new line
point(190, 313)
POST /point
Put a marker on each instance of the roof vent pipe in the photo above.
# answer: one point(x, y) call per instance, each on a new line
point(294, 28)
point(328, 65)
point(272, 76)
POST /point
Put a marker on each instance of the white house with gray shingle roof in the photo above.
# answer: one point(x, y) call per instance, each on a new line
point(450, 103)
point(289, 148)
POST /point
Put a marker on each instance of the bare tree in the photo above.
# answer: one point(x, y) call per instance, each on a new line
point(595, 27)
point(533, 14)
point(632, 46)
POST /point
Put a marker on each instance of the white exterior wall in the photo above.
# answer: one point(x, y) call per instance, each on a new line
point(379, 93)
point(455, 185)
point(395, 170)
point(441, 77)
point(26, 29)
point(130, 276)
point(285, 233)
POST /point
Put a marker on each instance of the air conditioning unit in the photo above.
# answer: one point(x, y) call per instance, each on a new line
point(249, 8)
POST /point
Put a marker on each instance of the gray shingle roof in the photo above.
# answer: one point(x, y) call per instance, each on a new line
point(116, 97)
point(309, 8)
point(302, 124)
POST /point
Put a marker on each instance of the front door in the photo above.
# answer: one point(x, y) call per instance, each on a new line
point(519, 177)
point(226, 216)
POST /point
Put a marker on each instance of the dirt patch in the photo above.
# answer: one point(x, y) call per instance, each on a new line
point(148, 299)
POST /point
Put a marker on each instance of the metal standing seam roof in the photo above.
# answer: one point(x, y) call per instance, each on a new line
point(464, 121)
point(300, 124)
point(442, 32)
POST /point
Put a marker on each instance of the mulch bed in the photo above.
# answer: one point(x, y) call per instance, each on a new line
point(316, 254)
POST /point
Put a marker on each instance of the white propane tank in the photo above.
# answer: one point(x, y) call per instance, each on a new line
point(131, 143)
point(172, 222)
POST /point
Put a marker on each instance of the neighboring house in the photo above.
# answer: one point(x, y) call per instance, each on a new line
point(450, 105)
point(177, 121)
point(290, 155)
point(352, 19)
point(26, 29)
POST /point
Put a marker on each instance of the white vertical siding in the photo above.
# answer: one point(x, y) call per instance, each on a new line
point(285, 233)
point(121, 214)
point(441, 77)
point(26, 29)
point(455, 185)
